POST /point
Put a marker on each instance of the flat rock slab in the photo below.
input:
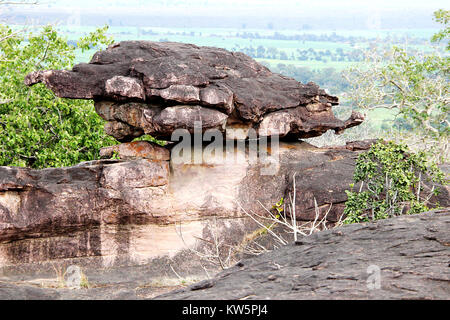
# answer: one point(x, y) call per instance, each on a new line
point(404, 257)
point(145, 87)
point(411, 252)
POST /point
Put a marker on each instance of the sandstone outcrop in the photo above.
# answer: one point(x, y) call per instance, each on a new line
point(134, 150)
point(143, 87)
point(147, 207)
point(399, 258)
point(404, 257)
point(36, 203)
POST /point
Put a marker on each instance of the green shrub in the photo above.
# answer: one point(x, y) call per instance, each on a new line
point(416, 87)
point(38, 129)
point(391, 183)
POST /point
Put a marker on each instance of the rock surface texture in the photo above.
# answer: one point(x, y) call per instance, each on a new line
point(35, 203)
point(409, 253)
point(127, 218)
point(150, 188)
point(143, 87)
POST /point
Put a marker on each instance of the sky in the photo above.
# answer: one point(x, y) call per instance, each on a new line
point(232, 6)
point(314, 12)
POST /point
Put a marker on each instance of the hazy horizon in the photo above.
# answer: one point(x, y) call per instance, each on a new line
point(287, 14)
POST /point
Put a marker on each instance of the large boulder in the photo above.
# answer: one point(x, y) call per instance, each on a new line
point(144, 87)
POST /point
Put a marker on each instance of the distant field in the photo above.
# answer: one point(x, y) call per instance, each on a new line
point(423, 33)
point(339, 66)
point(227, 39)
point(378, 117)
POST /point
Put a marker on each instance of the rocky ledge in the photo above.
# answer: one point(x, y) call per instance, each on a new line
point(404, 257)
point(399, 258)
point(147, 186)
point(144, 87)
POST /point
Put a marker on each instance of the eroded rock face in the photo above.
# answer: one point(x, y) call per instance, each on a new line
point(403, 257)
point(34, 203)
point(144, 87)
point(408, 253)
point(118, 214)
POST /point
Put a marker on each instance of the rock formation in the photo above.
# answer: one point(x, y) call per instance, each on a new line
point(122, 211)
point(408, 254)
point(143, 87)
point(154, 192)
point(36, 203)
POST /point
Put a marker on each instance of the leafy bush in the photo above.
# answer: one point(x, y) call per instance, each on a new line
point(149, 138)
point(38, 129)
point(415, 86)
point(391, 183)
point(443, 17)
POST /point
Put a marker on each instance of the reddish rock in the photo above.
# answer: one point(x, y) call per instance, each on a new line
point(125, 87)
point(136, 149)
point(34, 203)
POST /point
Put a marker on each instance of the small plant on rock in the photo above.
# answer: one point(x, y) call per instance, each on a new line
point(391, 183)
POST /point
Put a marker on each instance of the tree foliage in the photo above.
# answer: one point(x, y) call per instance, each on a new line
point(416, 86)
point(443, 17)
point(392, 182)
point(38, 129)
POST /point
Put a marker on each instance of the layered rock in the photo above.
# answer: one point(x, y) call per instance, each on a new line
point(134, 150)
point(399, 258)
point(143, 87)
point(35, 203)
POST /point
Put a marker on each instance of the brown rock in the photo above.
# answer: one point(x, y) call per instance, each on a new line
point(122, 131)
point(403, 257)
point(185, 117)
point(137, 174)
point(181, 93)
point(172, 78)
point(50, 201)
point(130, 120)
point(126, 87)
point(34, 203)
point(136, 149)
